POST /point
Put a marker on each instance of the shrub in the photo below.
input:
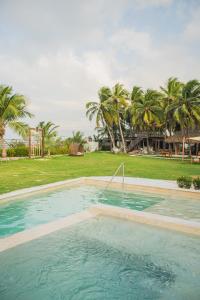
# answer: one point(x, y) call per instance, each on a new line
point(196, 183)
point(18, 151)
point(184, 182)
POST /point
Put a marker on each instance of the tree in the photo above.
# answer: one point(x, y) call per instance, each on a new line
point(119, 101)
point(186, 110)
point(136, 95)
point(103, 112)
point(78, 137)
point(171, 93)
point(50, 133)
point(147, 112)
point(13, 108)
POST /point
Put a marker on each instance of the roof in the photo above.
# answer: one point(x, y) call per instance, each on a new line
point(195, 139)
point(179, 139)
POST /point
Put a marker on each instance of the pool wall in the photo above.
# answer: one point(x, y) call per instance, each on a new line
point(182, 226)
point(154, 188)
point(42, 230)
point(162, 187)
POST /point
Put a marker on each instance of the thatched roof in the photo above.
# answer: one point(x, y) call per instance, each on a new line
point(179, 139)
point(195, 139)
point(174, 139)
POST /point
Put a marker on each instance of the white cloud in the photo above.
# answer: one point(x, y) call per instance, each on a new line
point(146, 3)
point(132, 40)
point(60, 54)
point(192, 30)
point(58, 86)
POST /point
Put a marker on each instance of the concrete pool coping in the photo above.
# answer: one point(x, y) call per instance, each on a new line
point(40, 188)
point(146, 218)
point(130, 184)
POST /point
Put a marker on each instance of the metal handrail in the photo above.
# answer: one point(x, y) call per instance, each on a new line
point(122, 165)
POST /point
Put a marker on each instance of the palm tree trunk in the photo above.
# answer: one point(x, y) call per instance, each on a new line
point(2, 141)
point(183, 148)
point(111, 137)
point(121, 133)
point(148, 148)
point(3, 145)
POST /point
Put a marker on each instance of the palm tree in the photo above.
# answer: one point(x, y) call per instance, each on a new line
point(50, 133)
point(103, 112)
point(119, 101)
point(78, 137)
point(13, 108)
point(186, 110)
point(147, 112)
point(135, 96)
point(171, 94)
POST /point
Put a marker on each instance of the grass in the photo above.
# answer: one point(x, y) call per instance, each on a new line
point(26, 173)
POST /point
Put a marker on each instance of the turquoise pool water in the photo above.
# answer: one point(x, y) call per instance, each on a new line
point(103, 258)
point(28, 212)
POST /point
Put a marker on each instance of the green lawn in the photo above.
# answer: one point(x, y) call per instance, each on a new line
point(26, 173)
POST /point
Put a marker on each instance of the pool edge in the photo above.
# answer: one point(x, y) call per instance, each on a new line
point(164, 222)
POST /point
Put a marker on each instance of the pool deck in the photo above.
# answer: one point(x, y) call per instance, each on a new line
point(155, 183)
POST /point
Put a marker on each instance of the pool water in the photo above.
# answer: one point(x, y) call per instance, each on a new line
point(45, 207)
point(103, 258)
point(180, 208)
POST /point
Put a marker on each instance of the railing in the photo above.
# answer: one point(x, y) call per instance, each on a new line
point(134, 143)
point(122, 167)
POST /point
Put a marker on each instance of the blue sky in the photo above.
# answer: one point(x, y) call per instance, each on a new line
point(59, 53)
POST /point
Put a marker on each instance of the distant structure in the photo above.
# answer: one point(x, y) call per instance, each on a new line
point(36, 142)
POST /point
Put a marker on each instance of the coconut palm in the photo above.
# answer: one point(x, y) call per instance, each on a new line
point(171, 93)
point(119, 101)
point(186, 110)
point(13, 108)
point(103, 112)
point(135, 96)
point(147, 112)
point(49, 133)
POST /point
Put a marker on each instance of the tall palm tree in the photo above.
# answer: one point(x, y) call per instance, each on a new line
point(135, 96)
point(103, 112)
point(147, 112)
point(13, 108)
point(49, 132)
point(171, 93)
point(186, 110)
point(119, 101)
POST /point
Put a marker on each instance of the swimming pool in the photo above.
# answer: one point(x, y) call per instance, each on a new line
point(31, 210)
point(103, 258)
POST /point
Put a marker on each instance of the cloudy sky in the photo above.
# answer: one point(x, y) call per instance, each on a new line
point(59, 53)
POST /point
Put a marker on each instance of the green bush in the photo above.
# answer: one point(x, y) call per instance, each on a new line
point(196, 183)
point(184, 182)
point(58, 150)
point(19, 151)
